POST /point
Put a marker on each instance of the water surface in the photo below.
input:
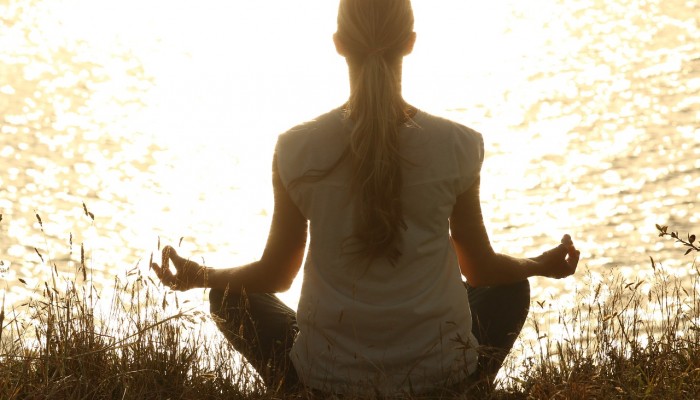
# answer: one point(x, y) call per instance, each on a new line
point(161, 118)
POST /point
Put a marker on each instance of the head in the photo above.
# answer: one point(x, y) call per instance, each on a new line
point(374, 28)
point(374, 35)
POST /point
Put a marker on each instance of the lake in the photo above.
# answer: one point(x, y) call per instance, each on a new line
point(160, 117)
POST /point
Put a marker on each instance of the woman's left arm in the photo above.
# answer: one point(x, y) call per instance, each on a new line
point(275, 270)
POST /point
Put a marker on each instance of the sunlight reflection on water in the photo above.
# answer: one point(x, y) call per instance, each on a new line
point(162, 122)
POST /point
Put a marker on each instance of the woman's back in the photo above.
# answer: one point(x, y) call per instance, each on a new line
point(389, 326)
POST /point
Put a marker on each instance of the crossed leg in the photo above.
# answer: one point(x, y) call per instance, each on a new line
point(498, 315)
point(262, 329)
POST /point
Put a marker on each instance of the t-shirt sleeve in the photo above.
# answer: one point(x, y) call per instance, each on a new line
point(469, 151)
point(281, 158)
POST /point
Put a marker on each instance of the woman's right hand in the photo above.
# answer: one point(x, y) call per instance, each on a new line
point(560, 261)
point(189, 274)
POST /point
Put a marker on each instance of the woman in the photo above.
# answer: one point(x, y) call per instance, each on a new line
point(390, 196)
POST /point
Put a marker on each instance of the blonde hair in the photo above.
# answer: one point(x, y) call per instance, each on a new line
point(375, 35)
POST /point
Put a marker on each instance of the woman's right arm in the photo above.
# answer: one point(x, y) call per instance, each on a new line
point(274, 272)
point(482, 266)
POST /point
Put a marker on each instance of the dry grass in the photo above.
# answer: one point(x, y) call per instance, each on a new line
point(64, 346)
point(625, 339)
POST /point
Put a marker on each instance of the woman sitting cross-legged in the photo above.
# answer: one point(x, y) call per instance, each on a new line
point(388, 196)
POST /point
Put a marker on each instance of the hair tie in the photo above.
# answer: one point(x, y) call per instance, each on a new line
point(377, 51)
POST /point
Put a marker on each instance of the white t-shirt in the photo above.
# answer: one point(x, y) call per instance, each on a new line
point(385, 328)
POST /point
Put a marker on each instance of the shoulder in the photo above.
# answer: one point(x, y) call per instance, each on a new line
point(452, 132)
point(314, 144)
point(314, 127)
point(457, 148)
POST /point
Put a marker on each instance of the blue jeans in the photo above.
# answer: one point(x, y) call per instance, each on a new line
point(262, 329)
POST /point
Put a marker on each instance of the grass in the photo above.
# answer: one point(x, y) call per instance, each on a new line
point(634, 339)
point(625, 338)
point(69, 348)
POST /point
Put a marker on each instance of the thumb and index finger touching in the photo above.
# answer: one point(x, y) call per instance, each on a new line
point(163, 270)
point(567, 244)
point(565, 247)
point(562, 260)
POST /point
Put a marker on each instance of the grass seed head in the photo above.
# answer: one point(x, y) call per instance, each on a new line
point(2, 315)
point(39, 254)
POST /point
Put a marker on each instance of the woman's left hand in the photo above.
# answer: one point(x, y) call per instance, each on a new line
point(188, 274)
point(560, 261)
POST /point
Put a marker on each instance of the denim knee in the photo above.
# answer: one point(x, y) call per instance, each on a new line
point(216, 298)
point(221, 299)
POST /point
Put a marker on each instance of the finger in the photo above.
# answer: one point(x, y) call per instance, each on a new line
point(178, 261)
point(166, 277)
point(574, 259)
point(165, 257)
point(156, 268)
point(160, 273)
point(170, 250)
point(572, 249)
point(566, 240)
point(561, 250)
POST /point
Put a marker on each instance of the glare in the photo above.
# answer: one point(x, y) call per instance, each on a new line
point(162, 116)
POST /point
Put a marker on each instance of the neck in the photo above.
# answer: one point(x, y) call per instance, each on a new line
point(353, 73)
